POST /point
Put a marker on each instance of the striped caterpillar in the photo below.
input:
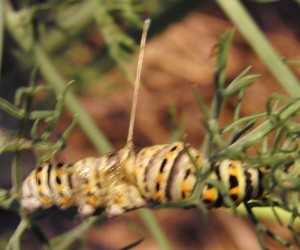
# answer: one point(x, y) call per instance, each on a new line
point(130, 179)
point(126, 180)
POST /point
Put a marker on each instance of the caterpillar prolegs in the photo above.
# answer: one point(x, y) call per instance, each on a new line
point(129, 179)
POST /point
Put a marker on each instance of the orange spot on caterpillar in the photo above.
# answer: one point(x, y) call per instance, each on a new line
point(46, 202)
point(158, 195)
point(234, 191)
point(233, 168)
point(59, 172)
point(138, 172)
point(59, 187)
point(169, 154)
point(91, 200)
point(39, 175)
point(119, 199)
point(160, 178)
point(64, 202)
point(88, 188)
point(185, 187)
point(210, 195)
point(40, 189)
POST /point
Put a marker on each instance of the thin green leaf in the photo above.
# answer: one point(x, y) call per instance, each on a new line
point(292, 63)
point(241, 82)
point(11, 109)
point(20, 92)
point(224, 46)
point(201, 103)
point(238, 134)
point(250, 118)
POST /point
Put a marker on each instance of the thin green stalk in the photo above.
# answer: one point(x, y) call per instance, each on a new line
point(14, 242)
point(16, 172)
point(155, 229)
point(224, 46)
point(243, 21)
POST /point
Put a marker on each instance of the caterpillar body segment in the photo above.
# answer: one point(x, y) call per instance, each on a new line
point(48, 185)
point(165, 172)
point(126, 180)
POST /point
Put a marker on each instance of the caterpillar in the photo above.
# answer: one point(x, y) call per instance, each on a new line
point(126, 180)
point(129, 178)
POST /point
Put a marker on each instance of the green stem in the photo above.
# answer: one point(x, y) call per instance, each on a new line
point(14, 242)
point(243, 21)
point(16, 172)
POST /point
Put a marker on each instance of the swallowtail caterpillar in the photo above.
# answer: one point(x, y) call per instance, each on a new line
point(130, 179)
